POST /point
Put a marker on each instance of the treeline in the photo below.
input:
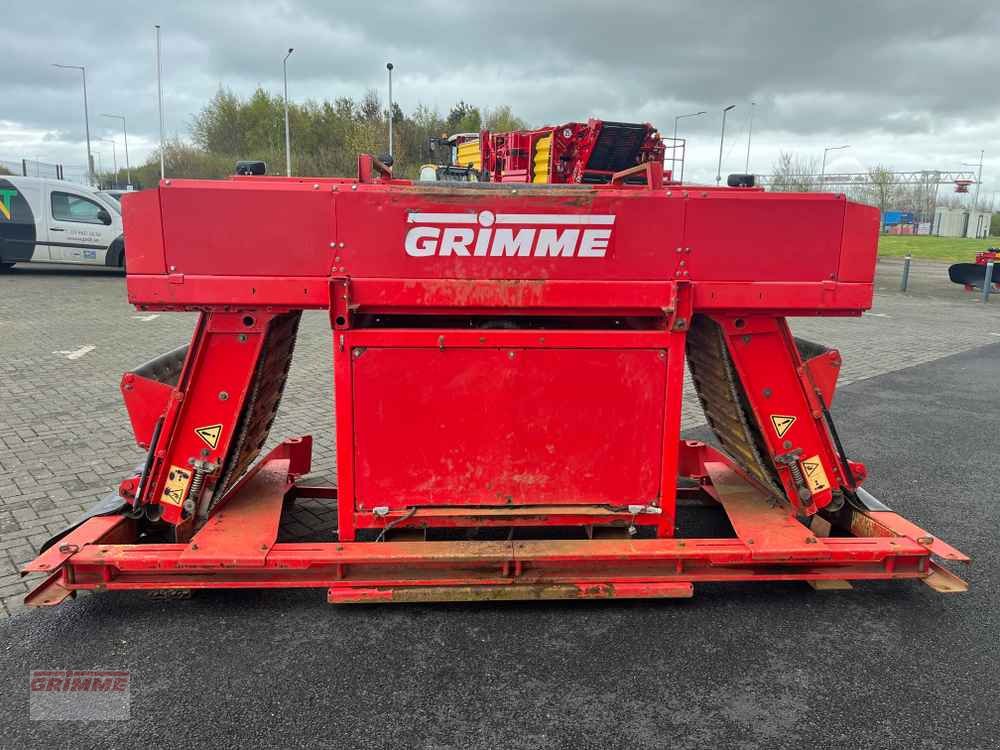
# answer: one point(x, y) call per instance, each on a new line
point(326, 136)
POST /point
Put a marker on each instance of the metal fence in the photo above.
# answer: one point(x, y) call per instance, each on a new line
point(33, 168)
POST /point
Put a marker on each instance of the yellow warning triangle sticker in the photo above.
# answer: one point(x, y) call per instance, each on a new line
point(810, 467)
point(210, 434)
point(782, 423)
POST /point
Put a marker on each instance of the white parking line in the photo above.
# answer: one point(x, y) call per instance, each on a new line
point(76, 353)
point(146, 318)
point(877, 315)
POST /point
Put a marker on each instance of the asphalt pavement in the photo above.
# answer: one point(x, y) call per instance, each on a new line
point(774, 665)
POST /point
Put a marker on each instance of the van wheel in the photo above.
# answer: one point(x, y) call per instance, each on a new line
point(5, 267)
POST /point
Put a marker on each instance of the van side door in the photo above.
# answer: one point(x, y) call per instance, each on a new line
point(22, 221)
point(79, 226)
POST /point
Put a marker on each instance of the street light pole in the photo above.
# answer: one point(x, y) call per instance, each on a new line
point(128, 167)
point(114, 158)
point(746, 169)
point(722, 139)
point(388, 66)
point(86, 118)
point(681, 117)
point(288, 141)
point(159, 98)
point(822, 172)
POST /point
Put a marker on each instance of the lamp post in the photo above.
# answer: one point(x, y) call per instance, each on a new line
point(746, 169)
point(159, 98)
point(822, 172)
point(722, 139)
point(288, 140)
point(86, 118)
point(681, 117)
point(388, 66)
point(128, 167)
point(114, 158)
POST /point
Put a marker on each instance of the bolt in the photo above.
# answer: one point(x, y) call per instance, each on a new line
point(746, 338)
point(767, 394)
point(354, 187)
point(242, 338)
point(333, 244)
point(357, 353)
point(194, 546)
point(662, 354)
point(337, 259)
point(341, 244)
point(223, 396)
point(173, 268)
point(315, 186)
point(166, 182)
point(510, 355)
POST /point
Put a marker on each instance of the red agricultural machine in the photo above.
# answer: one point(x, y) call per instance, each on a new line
point(589, 152)
point(508, 362)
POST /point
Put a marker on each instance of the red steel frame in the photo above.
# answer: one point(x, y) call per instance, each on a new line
point(246, 251)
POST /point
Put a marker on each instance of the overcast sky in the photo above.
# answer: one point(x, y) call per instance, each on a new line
point(908, 84)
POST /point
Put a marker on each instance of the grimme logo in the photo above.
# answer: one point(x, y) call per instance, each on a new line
point(486, 234)
point(7, 203)
point(79, 695)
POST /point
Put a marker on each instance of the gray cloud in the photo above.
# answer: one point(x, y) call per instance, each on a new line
point(906, 83)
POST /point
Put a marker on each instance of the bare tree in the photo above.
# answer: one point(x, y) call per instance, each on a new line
point(792, 173)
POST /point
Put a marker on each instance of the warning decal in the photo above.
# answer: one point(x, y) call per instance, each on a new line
point(210, 434)
point(815, 474)
point(176, 487)
point(782, 423)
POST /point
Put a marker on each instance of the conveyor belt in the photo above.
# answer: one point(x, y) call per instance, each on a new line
point(724, 401)
point(261, 405)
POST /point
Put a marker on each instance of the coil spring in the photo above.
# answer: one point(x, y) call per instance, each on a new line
point(196, 483)
point(793, 468)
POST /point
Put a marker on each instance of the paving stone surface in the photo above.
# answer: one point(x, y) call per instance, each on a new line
point(67, 335)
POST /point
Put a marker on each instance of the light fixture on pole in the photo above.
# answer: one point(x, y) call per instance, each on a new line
point(128, 167)
point(822, 172)
point(86, 118)
point(681, 117)
point(159, 98)
point(746, 168)
point(722, 139)
point(388, 66)
point(288, 140)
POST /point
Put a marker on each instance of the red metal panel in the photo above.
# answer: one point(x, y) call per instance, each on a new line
point(254, 229)
point(859, 247)
point(639, 227)
point(242, 533)
point(506, 426)
point(144, 240)
point(770, 237)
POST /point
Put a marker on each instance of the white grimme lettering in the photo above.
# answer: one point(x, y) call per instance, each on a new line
point(456, 240)
point(594, 243)
point(485, 239)
point(421, 242)
point(505, 242)
point(553, 242)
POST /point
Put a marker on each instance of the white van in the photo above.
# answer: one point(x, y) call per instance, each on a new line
point(53, 221)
